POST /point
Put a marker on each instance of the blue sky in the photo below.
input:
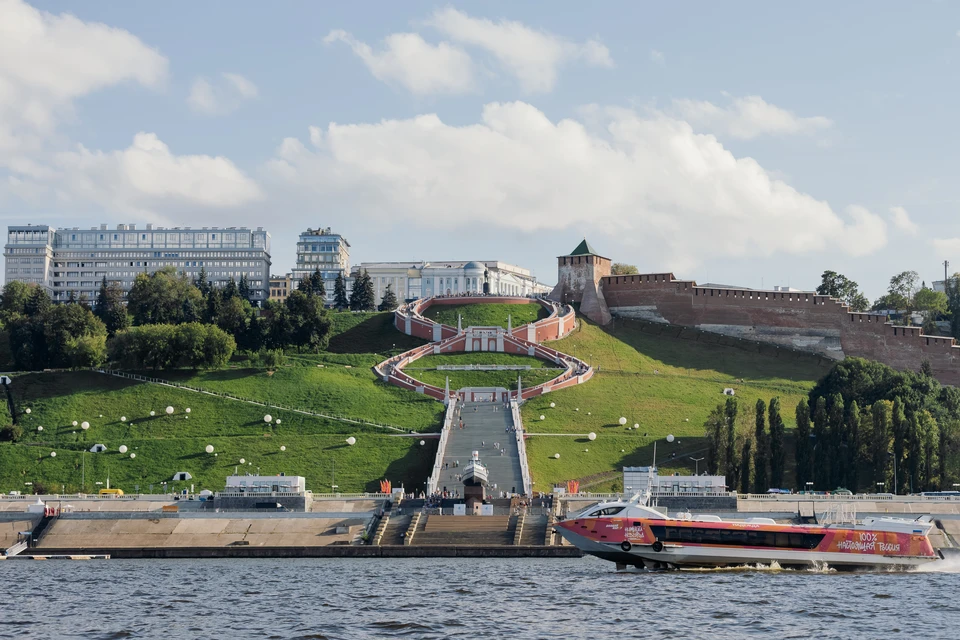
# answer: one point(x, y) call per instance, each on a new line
point(746, 143)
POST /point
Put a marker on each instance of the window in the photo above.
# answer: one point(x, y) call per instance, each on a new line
point(609, 511)
point(737, 537)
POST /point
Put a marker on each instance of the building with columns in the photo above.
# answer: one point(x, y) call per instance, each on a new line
point(413, 280)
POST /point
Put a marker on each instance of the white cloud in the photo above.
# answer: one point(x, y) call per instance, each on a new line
point(649, 182)
point(411, 62)
point(946, 246)
point(901, 220)
point(47, 61)
point(534, 57)
point(222, 98)
point(747, 118)
point(147, 177)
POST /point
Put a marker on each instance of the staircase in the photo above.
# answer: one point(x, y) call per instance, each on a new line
point(393, 530)
point(534, 530)
point(466, 530)
point(484, 424)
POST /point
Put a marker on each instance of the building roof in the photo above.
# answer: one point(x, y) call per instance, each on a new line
point(584, 249)
point(473, 265)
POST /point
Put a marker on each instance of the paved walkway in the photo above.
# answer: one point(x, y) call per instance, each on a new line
point(485, 423)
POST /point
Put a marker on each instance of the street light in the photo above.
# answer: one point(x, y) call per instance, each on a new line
point(29, 486)
point(697, 462)
point(809, 486)
point(890, 453)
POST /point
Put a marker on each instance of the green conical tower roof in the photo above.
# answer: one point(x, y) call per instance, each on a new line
point(584, 249)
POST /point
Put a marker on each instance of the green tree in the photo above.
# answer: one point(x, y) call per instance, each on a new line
point(309, 321)
point(778, 451)
point(14, 298)
point(340, 301)
point(900, 431)
point(760, 457)
point(363, 296)
point(730, 462)
point(233, 315)
point(623, 269)
point(202, 282)
point(159, 298)
point(803, 453)
point(838, 286)
point(745, 466)
point(389, 300)
point(110, 308)
point(900, 293)
point(713, 430)
point(38, 303)
point(243, 288)
point(932, 304)
point(319, 288)
point(821, 428)
point(952, 288)
point(230, 290)
point(852, 454)
point(836, 440)
point(881, 442)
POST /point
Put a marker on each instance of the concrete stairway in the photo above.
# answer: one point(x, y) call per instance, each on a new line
point(394, 530)
point(484, 424)
point(466, 530)
point(534, 530)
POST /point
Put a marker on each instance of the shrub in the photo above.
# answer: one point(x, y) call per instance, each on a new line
point(11, 433)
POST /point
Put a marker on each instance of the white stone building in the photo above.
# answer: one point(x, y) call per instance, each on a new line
point(413, 280)
point(322, 249)
point(639, 479)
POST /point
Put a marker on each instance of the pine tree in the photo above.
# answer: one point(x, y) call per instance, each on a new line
point(38, 303)
point(230, 291)
point(243, 288)
point(881, 442)
point(357, 294)
point(713, 429)
point(745, 467)
point(837, 426)
point(202, 282)
point(778, 451)
point(760, 463)
point(389, 300)
point(369, 301)
point(803, 453)
point(820, 468)
point(316, 282)
point(340, 293)
point(730, 453)
point(899, 428)
point(852, 458)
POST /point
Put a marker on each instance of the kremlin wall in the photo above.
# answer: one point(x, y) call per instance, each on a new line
point(797, 320)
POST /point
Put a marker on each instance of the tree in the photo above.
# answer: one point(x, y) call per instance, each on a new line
point(230, 290)
point(853, 457)
point(932, 304)
point(761, 462)
point(952, 288)
point(778, 452)
point(713, 430)
point(900, 293)
point(158, 298)
point(243, 288)
point(363, 296)
point(202, 282)
point(305, 286)
point(622, 269)
point(819, 465)
point(38, 302)
point(745, 466)
point(880, 441)
point(838, 286)
point(309, 322)
point(803, 452)
point(900, 430)
point(730, 462)
point(232, 316)
point(15, 296)
point(340, 300)
point(389, 300)
point(316, 280)
point(11, 433)
point(110, 308)
point(835, 440)
point(163, 346)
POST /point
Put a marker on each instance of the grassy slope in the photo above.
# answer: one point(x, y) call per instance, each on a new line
point(425, 369)
point(667, 385)
point(165, 445)
point(486, 315)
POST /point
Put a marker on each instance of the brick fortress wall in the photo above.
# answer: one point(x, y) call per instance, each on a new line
point(799, 320)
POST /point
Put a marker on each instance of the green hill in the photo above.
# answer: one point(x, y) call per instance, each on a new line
point(662, 378)
point(335, 384)
point(486, 315)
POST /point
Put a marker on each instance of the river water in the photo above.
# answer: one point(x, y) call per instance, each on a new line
point(458, 598)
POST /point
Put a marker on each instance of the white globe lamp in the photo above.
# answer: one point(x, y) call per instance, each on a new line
point(591, 436)
point(27, 410)
point(40, 428)
point(553, 404)
point(556, 456)
point(278, 420)
point(84, 425)
point(268, 418)
point(423, 442)
point(123, 418)
point(351, 441)
point(75, 423)
point(53, 454)
point(543, 417)
point(283, 448)
point(169, 411)
point(242, 461)
point(187, 409)
point(208, 448)
point(670, 438)
point(623, 420)
point(153, 413)
point(123, 448)
point(132, 456)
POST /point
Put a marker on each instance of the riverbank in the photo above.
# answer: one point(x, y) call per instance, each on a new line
point(329, 551)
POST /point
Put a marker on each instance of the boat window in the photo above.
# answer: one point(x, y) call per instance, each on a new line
point(608, 511)
point(738, 537)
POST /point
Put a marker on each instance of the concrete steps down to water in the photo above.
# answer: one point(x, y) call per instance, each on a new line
point(485, 423)
point(466, 530)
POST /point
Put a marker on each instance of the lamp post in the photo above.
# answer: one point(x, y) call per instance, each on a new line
point(29, 486)
point(697, 463)
point(890, 453)
point(809, 486)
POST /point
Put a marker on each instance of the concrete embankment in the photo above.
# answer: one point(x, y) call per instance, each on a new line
point(330, 551)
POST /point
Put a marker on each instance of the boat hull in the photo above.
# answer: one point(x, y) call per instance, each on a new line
point(657, 555)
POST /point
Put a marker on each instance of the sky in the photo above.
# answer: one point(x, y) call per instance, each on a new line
point(745, 143)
